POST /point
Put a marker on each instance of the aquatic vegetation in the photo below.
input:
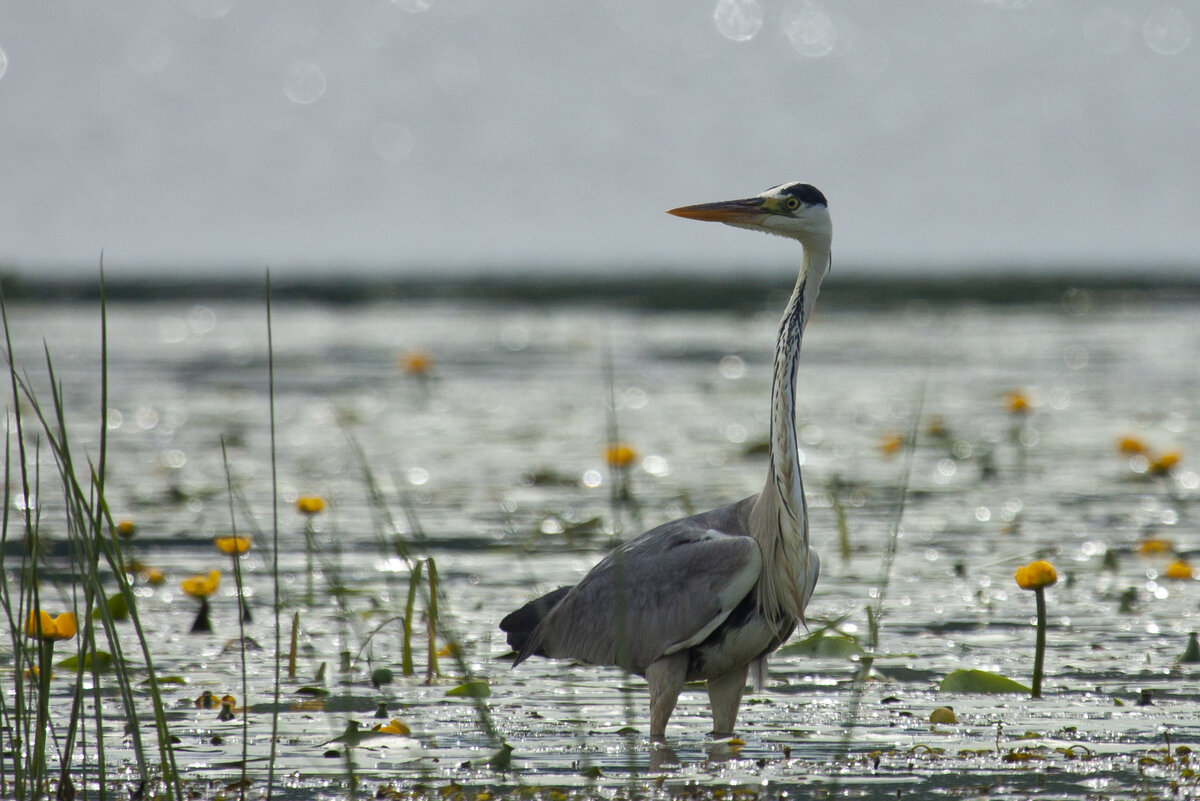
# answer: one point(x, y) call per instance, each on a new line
point(891, 443)
point(234, 546)
point(620, 456)
point(1154, 546)
point(1191, 653)
point(42, 626)
point(474, 517)
point(1179, 570)
point(310, 505)
point(944, 715)
point(983, 682)
point(1037, 576)
point(1017, 402)
point(415, 362)
point(1164, 463)
point(201, 587)
point(394, 726)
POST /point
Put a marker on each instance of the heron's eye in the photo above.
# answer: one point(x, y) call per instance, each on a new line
point(792, 204)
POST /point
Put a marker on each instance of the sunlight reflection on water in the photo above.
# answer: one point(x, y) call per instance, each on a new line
point(986, 493)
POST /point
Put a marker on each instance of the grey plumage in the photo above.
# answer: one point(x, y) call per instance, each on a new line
point(707, 596)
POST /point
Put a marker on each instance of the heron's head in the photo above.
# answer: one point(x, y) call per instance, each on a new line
point(796, 210)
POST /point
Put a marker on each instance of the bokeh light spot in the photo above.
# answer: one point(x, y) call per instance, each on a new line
point(211, 9)
point(811, 30)
point(739, 20)
point(1167, 31)
point(413, 6)
point(305, 83)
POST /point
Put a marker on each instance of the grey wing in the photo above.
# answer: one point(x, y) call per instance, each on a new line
point(663, 592)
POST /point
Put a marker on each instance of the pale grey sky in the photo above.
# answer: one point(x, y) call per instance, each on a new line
point(460, 134)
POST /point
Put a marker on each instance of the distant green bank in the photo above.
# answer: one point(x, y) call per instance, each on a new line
point(653, 289)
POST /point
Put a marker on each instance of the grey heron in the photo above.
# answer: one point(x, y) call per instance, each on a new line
point(711, 595)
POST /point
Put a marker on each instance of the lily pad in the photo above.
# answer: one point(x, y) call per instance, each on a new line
point(471, 689)
point(980, 681)
point(824, 643)
point(117, 607)
point(102, 661)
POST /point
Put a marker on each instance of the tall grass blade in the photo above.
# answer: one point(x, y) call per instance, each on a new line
point(275, 601)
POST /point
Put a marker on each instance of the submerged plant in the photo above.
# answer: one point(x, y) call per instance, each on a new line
point(1037, 576)
point(201, 587)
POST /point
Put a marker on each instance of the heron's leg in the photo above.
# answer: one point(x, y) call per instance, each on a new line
point(665, 677)
point(725, 696)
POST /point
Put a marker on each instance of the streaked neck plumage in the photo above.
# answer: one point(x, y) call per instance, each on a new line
point(779, 517)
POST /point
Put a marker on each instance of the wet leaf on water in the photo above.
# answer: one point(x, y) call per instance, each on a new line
point(319, 692)
point(165, 680)
point(980, 681)
point(471, 689)
point(102, 661)
point(824, 643)
point(117, 608)
point(943, 714)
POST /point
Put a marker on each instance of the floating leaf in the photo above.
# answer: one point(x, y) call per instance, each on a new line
point(824, 643)
point(116, 607)
point(165, 680)
point(102, 661)
point(980, 681)
point(471, 689)
point(943, 714)
point(319, 692)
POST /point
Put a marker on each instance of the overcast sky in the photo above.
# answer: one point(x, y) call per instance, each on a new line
point(217, 135)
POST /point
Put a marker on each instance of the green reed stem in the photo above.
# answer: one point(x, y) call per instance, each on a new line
point(241, 597)
point(431, 620)
point(414, 581)
point(274, 544)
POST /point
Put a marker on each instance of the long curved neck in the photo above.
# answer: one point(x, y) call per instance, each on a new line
point(779, 518)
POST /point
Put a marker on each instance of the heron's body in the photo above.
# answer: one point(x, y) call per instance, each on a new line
point(707, 596)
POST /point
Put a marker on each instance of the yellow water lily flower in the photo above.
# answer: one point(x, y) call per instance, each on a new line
point(310, 504)
point(1162, 464)
point(1017, 402)
point(1153, 546)
point(201, 586)
point(1036, 575)
point(1131, 446)
point(415, 362)
point(394, 726)
point(152, 575)
point(890, 443)
point(232, 545)
point(206, 700)
point(126, 529)
point(1180, 570)
point(41, 625)
point(620, 455)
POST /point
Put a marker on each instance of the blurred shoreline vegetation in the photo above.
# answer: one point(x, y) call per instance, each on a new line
point(656, 288)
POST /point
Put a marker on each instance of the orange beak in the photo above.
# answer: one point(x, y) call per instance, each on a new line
point(746, 211)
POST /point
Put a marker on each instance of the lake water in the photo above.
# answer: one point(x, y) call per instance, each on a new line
point(496, 455)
